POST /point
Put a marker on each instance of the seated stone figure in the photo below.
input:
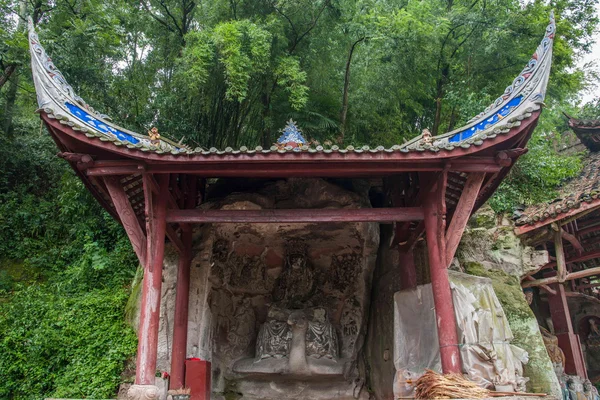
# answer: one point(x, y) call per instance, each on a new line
point(297, 337)
point(551, 342)
point(321, 339)
point(290, 332)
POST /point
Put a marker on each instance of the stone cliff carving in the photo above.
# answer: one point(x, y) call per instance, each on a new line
point(296, 284)
point(295, 339)
point(593, 338)
point(551, 342)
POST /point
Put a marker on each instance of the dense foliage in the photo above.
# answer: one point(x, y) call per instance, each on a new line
point(65, 267)
point(230, 73)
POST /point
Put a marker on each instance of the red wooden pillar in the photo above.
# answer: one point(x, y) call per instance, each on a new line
point(156, 207)
point(182, 297)
point(568, 341)
point(408, 273)
point(435, 225)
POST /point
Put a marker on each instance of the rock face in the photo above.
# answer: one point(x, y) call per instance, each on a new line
point(279, 309)
point(495, 252)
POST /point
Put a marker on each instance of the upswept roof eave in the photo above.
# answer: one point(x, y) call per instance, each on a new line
point(57, 100)
point(379, 155)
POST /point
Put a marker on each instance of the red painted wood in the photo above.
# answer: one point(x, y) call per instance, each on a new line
point(573, 240)
point(568, 341)
point(573, 275)
point(71, 137)
point(182, 297)
point(391, 214)
point(559, 252)
point(462, 213)
point(434, 207)
point(292, 169)
point(198, 378)
point(408, 272)
point(519, 230)
point(151, 284)
point(127, 216)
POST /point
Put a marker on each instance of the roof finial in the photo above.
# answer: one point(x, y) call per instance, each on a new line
point(291, 135)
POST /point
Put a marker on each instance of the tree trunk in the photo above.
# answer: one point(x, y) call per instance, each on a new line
point(438, 99)
point(266, 116)
point(11, 95)
point(344, 113)
point(8, 71)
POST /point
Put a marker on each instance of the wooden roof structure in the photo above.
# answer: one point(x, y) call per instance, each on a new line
point(573, 219)
point(156, 187)
point(95, 147)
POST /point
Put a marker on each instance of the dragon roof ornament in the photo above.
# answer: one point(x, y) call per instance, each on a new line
point(58, 100)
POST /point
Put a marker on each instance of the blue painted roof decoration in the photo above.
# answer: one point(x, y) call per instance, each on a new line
point(291, 134)
point(483, 125)
point(58, 99)
point(99, 125)
point(530, 85)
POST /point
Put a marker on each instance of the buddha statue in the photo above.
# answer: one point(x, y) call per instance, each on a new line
point(297, 337)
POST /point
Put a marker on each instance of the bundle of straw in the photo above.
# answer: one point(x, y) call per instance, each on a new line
point(435, 386)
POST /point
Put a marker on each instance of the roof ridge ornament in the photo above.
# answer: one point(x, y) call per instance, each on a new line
point(291, 135)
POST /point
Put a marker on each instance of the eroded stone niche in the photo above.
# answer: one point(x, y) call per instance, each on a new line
point(287, 303)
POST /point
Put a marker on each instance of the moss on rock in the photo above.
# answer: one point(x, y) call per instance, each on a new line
point(133, 303)
point(523, 326)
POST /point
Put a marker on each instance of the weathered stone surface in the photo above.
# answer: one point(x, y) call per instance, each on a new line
point(495, 252)
point(242, 272)
point(143, 392)
point(582, 310)
point(380, 340)
point(499, 248)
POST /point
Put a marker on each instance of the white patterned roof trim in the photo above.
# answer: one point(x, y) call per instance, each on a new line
point(531, 84)
point(53, 92)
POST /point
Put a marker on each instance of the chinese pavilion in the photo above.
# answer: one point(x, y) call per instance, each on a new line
point(569, 228)
point(160, 192)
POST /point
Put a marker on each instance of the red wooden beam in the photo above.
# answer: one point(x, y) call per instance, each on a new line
point(392, 214)
point(462, 213)
point(151, 284)
point(589, 229)
point(127, 216)
point(588, 285)
point(583, 296)
point(297, 168)
point(559, 251)
point(545, 287)
point(582, 257)
point(180, 320)
point(175, 240)
point(554, 279)
point(567, 339)
point(435, 228)
point(572, 239)
point(591, 206)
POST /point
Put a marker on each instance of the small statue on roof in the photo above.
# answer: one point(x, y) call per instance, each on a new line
point(291, 135)
point(154, 135)
point(427, 138)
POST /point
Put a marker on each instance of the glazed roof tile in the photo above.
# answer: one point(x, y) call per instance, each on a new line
point(573, 195)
